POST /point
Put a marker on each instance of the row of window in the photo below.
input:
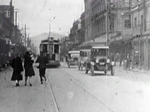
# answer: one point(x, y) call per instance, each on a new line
point(137, 22)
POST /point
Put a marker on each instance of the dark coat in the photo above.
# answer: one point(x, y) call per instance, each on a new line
point(28, 65)
point(16, 64)
point(42, 60)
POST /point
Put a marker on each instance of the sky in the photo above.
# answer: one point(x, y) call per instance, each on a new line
point(38, 15)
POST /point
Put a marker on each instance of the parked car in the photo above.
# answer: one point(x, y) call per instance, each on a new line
point(84, 57)
point(73, 57)
point(100, 61)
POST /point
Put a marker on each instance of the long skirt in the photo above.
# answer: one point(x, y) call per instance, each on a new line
point(29, 71)
point(16, 76)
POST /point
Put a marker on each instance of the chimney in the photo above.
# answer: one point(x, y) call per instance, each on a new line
point(10, 3)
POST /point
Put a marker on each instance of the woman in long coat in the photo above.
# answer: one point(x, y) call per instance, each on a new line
point(16, 64)
point(28, 65)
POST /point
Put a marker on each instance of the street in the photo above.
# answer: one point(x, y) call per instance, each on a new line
point(70, 90)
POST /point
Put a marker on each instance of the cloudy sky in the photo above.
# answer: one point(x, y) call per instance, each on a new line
point(36, 14)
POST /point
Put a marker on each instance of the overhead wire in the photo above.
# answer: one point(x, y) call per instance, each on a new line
point(43, 6)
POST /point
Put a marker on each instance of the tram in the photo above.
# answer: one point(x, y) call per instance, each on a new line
point(51, 48)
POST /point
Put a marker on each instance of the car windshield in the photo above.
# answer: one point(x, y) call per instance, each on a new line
point(74, 55)
point(99, 52)
point(83, 54)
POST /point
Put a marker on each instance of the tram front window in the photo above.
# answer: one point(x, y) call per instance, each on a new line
point(56, 48)
point(45, 48)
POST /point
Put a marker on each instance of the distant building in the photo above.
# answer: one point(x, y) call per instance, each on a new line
point(140, 10)
point(8, 11)
point(74, 35)
point(88, 18)
point(8, 31)
point(82, 30)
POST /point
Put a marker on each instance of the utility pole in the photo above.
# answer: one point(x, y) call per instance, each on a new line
point(16, 15)
point(49, 29)
point(144, 4)
point(50, 26)
point(25, 36)
point(106, 4)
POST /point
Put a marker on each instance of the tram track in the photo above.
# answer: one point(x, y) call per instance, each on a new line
point(86, 90)
point(53, 96)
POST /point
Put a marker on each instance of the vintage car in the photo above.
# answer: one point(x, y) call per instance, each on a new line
point(84, 57)
point(73, 57)
point(100, 61)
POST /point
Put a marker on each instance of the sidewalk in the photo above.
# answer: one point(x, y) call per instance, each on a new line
point(133, 74)
point(135, 69)
point(24, 98)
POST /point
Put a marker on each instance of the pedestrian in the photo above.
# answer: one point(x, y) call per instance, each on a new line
point(128, 62)
point(42, 60)
point(16, 64)
point(28, 65)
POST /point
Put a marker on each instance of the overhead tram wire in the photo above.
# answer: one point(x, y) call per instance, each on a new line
point(44, 4)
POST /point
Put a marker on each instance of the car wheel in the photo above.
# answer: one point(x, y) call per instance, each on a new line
point(112, 71)
point(68, 65)
point(105, 72)
point(92, 72)
point(86, 71)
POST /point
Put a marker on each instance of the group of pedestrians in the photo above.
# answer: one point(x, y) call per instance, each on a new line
point(28, 59)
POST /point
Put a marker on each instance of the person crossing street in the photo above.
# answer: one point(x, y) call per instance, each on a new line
point(42, 60)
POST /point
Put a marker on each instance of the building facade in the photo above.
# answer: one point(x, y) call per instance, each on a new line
point(9, 32)
point(141, 33)
point(88, 20)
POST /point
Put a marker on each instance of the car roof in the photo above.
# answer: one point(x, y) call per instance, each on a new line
point(74, 52)
point(100, 47)
point(85, 50)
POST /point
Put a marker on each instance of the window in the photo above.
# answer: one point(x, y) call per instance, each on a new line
point(0, 23)
point(142, 22)
point(135, 21)
point(7, 14)
point(127, 23)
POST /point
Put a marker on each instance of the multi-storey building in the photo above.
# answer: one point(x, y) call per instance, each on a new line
point(75, 34)
point(8, 31)
point(111, 24)
point(82, 30)
point(74, 31)
point(99, 20)
point(140, 12)
point(88, 20)
point(107, 17)
point(8, 11)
